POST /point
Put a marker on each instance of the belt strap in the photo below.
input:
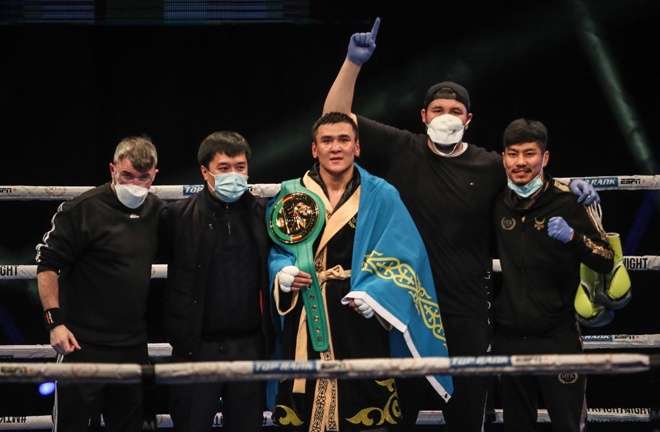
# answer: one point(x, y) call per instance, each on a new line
point(295, 221)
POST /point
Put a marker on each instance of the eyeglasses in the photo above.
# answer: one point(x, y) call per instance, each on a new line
point(143, 180)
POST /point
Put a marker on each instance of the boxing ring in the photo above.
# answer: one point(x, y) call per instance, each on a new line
point(634, 353)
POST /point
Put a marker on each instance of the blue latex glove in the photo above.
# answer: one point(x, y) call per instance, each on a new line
point(585, 191)
point(559, 229)
point(362, 45)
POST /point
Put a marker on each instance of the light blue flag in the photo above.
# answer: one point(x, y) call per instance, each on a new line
point(392, 274)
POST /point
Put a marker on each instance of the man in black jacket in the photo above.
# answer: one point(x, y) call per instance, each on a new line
point(94, 272)
point(543, 236)
point(218, 299)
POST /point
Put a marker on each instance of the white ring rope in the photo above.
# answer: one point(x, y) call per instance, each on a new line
point(594, 415)
point(166, 192)
point(159, 271)
point(156, 350)
point(633, 263)
point(10, 271)
point(171, 192)
point(195, 372)
point(425, 418)
point(354, 368)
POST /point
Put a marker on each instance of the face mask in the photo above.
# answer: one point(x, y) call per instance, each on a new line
point(132, 196)
point(230, 186)
point(526, 189)
point(445, 130)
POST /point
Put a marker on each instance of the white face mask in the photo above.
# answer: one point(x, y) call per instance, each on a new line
point(132, 196)
point(526, 189)
point(445, 130)
point(229, 187)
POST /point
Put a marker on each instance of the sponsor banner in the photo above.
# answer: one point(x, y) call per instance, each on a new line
point(18, 271)
point(645, 262)
point(618, 182)
point(284, 366)
point(466, 362)
point(597, 338)
point(189, 190)
point(617, 415)
point(621, 341)
point(13, 419)
point(603, 182)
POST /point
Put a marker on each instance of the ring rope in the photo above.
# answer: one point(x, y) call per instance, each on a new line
point(425, 418)
point(594, 415)
point(633, 263)
point(250, 370)
point(195, 372)
point(359, 368)
point(159, 271)
point(156, 350)
point(171, 192)
point(165, 192)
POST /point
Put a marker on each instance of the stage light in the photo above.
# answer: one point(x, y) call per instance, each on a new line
point(47, 388)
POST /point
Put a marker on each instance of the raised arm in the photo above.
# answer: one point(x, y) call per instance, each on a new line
point(360, 48)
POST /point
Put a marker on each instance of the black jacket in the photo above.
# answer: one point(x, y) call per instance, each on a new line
point(540, 274)
point(188, 238)
point(103, 252)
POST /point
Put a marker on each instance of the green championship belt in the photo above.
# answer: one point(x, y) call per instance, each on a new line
point(296, 220)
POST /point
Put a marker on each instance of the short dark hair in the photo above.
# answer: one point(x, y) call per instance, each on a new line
point(333, 118)
point(525, 130)
point(227, 142)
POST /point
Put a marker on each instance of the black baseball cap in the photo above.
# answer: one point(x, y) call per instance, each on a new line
point(447, 90)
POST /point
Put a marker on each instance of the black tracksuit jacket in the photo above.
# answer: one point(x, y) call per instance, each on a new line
point(540, 275)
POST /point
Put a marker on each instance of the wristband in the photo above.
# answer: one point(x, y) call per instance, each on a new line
point(53, 318)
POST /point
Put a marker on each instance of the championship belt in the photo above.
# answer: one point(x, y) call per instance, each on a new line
point(296, 220)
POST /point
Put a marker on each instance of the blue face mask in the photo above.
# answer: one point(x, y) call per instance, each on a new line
point(230, 186)
point(526, 189)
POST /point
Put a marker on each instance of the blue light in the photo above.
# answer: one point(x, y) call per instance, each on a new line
point(46, 388)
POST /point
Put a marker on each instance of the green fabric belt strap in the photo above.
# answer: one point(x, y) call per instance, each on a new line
point(296, 220)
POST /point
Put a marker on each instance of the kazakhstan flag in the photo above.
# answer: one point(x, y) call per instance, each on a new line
point(395, 277)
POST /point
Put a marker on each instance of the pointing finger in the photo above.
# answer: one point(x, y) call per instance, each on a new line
point(374, 29)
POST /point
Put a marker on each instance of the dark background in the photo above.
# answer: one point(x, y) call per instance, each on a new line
point(70, 92)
